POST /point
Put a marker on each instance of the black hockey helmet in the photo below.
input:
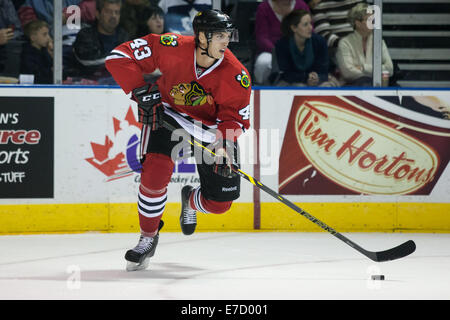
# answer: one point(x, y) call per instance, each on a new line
point(210, 21)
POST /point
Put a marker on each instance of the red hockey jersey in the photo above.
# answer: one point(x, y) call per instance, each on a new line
point(219, 98)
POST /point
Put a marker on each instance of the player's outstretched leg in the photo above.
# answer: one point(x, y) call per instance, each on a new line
point(138, 257)
point(188, 216)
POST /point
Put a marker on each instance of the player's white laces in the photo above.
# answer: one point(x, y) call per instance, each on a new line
point(189, 216)
point(144, 245)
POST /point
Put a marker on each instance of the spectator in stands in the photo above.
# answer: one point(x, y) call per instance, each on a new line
point(43, 10)
point(87, 11)
point(151, 20)
point(18, 4)
point(6, 34)
point(9, 20)
point(301, 54)
point(180, 13)
point(130, 16)
point(93, 44)
point(355, 51)
point(330, 20)
point(267, 31)
point(37, 52)
point(10, 28)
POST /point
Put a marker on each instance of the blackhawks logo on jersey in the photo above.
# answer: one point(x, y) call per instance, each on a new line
point(190, 94)
point(243, 79)
point(169, 40)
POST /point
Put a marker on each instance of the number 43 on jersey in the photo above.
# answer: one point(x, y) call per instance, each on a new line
point(141, 49)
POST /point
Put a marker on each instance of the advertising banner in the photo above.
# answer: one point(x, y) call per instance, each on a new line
point(26, 147)
point(118, 155)
point(350, 145)
point(360, 160)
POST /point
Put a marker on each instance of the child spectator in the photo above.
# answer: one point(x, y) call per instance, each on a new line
point(37, 52)
point(43, 10)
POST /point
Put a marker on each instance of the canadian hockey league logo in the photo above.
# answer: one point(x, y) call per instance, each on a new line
point(118, 156)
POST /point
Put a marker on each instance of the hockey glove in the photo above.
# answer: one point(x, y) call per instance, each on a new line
point(150, 108)
point(223, 166)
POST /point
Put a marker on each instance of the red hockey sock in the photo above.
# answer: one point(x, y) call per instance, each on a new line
point(199, 203)
point(156, 172)
point(150, 208)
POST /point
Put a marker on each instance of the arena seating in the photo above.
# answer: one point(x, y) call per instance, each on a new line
point(417, 33)
point(243, 13)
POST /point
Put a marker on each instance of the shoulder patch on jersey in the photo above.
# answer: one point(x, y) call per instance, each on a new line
point(169, 40)
point(243, 79)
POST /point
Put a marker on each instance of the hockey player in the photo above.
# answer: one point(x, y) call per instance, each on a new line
point(205, 90)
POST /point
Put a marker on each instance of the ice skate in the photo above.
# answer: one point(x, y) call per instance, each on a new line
point(138, 257)
point(188, 216)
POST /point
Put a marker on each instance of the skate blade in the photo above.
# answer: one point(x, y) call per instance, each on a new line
point(135, 266)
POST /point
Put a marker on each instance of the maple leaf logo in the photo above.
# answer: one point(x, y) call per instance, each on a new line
point(111, 156)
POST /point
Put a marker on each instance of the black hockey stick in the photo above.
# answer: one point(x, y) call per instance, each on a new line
point(379, 256)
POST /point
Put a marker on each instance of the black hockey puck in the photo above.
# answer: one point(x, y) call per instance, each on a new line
point(377, 277)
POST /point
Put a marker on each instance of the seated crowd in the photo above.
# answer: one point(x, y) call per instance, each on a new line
point(91, 29)
point(315, 43)
point(298, 43)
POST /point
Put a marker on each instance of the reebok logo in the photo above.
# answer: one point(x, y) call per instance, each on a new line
point(229, 189)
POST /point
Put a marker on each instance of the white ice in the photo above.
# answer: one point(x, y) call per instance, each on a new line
point(231, 265)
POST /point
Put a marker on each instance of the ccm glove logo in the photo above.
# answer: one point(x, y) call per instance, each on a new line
point(150, 110)
point(150, 97)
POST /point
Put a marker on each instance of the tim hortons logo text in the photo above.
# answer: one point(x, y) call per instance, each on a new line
point(361, 154)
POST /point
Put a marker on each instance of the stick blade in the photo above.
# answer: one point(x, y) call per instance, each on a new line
point(395, 253)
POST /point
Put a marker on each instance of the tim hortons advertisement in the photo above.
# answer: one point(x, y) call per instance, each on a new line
point(345, 145)
point(26, 147)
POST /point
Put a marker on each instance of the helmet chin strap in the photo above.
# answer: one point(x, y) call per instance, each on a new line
point(206, 50)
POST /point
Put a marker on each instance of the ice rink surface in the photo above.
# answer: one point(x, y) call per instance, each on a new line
point(236, 266)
